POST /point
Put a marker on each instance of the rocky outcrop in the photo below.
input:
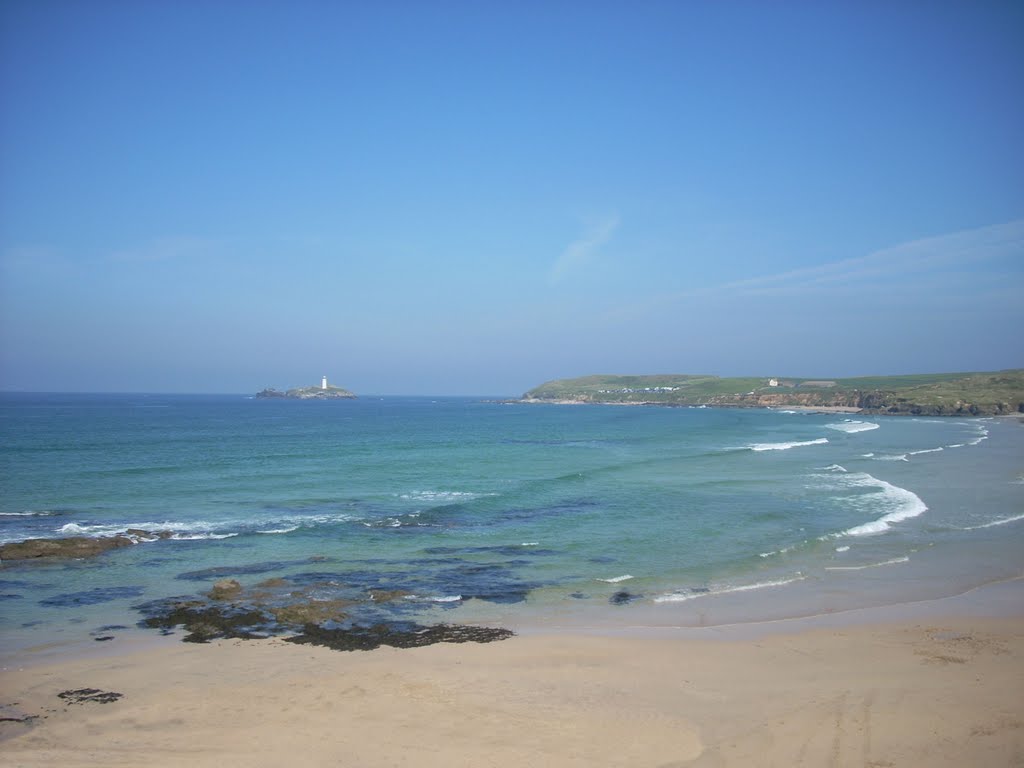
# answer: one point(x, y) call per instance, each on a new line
point(311, 612)
point(308, 393)
point(309, 622)
point(89, 696)
point(70, 547)
point(396, 636)
point(271, 392)
point(225, 589)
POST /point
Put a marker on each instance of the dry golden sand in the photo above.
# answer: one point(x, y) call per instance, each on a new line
point(936, 693)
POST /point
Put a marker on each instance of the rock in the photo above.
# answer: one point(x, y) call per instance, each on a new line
point(271, 392)
point(225, 589)
point(205, 622)
point(622, 597)
point(396, 636)
point(77, 546)
point(70, 547)
point(308, 393)
point(311, 612)
point(89, 695)
point(273, 583)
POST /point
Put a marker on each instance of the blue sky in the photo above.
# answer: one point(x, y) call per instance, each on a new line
point(475, 197)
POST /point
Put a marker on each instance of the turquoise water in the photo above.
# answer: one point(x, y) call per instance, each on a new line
point(482, 509)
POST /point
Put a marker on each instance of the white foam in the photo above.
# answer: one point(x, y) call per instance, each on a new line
point(901, 503)
point(782, 551)
point(956, 445)
point(894, 561)
point(842, 549)
point(926, 450)
point(529, 544)
point(28, 513)
point(994, 523)
point(387, 522)
point(617, 579)
point(436, 496)
point(74, 529)
point(202, 536)
point(851, 427)
point(835, 468)
point(977, 440)
point(281, 530)
point(785, 446)
point(678, 597)
point(442, 599)
point(893, 457)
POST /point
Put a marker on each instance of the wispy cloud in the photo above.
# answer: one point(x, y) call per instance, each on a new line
point(987, 256)
point(583, 249)
point(168, 248)
point(957, 251)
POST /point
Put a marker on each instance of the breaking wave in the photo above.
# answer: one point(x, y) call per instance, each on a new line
point(785, 446)
point(900, 504)
point(994, 523)
point(851, 427)
point(680, 596)
point(893, 561)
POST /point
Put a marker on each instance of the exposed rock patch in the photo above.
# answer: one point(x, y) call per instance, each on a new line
point(396, 636)
point(304, 614)
point(225, 589)
point(70, 547)
point(312, 612)
point(90, 696)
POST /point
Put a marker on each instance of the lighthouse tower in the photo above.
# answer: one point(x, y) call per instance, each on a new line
point(323, 383)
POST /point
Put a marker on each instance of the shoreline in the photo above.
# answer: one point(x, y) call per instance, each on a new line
point(848, 409)
point(934, 683)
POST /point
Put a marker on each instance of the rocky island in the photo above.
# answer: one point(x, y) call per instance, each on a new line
point(323, 391)
point(934, 394)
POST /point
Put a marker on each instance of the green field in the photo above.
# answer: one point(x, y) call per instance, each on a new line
point(986, 393)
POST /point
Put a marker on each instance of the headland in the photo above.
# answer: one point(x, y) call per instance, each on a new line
point(997, 393)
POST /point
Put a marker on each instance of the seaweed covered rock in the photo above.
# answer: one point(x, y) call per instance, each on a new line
point(397, 635)
point(205, 622)
point(311, 612)
point(316, 622)
point(225, 589)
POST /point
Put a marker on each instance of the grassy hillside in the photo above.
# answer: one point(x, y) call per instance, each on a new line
point(934, 394)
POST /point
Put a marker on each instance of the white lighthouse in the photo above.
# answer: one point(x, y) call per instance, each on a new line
point(323, 383)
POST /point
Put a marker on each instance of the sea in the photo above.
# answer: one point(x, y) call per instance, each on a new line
point(469, 510)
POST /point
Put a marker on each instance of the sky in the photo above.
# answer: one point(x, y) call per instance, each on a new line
point(438, 197)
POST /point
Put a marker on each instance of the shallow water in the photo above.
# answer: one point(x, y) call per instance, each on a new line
point(487, 511)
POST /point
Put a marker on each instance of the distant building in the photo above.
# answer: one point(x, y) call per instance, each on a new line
point(773, 382)
point(323, 383)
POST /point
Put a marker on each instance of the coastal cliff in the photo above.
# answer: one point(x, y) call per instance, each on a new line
point(952, 394)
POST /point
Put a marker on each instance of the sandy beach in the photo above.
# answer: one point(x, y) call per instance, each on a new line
point(940, 684)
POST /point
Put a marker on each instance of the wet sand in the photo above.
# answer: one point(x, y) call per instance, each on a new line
point(937, 684)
